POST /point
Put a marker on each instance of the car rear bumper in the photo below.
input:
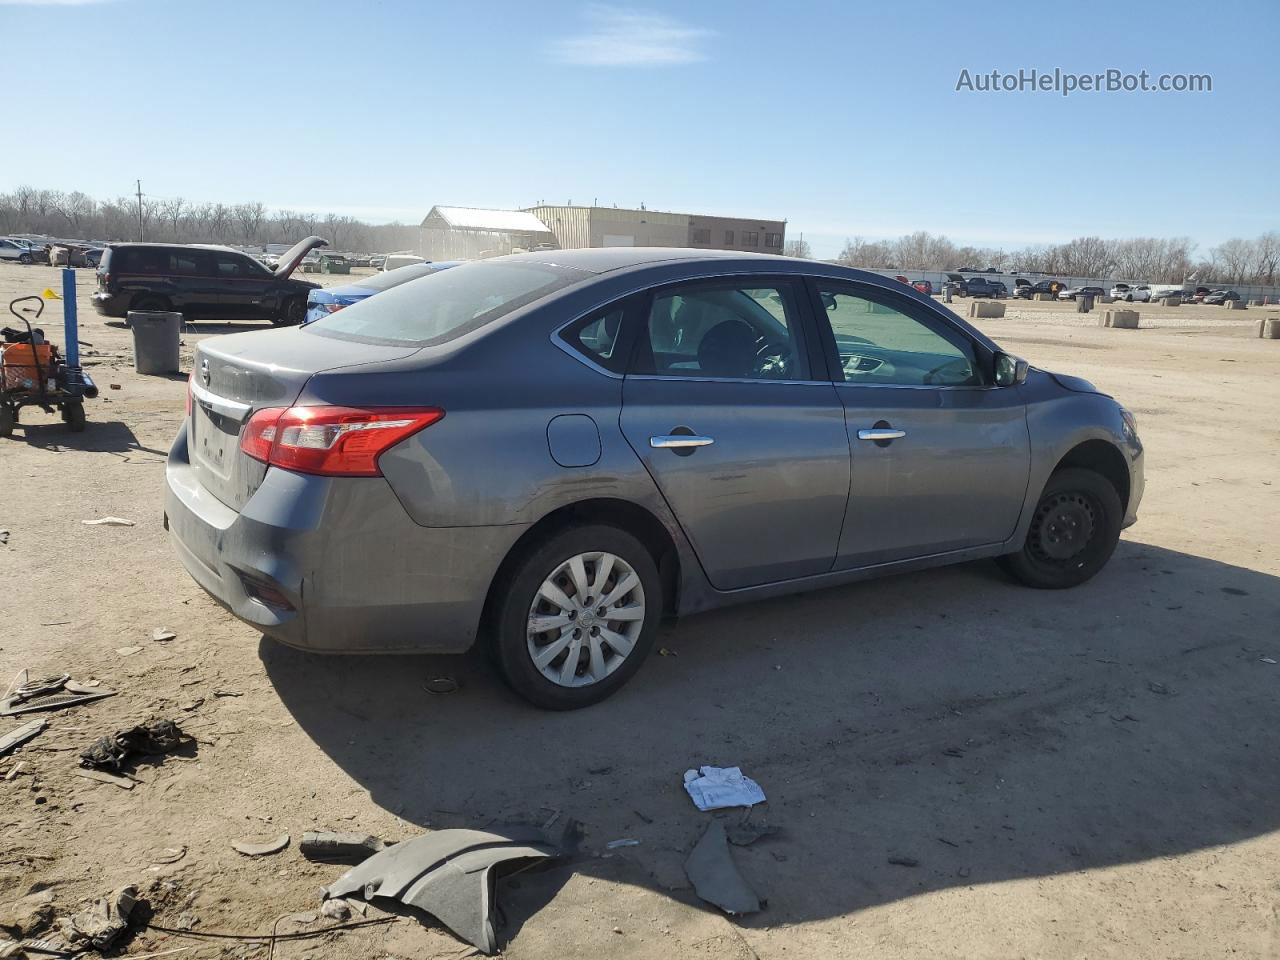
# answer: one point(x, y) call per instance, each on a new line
point(109, 304)
point(333, 564)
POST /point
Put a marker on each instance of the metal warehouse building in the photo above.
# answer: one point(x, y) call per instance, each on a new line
point(576, 227)
point(464, 233)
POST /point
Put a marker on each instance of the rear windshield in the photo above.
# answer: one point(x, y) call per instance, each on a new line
point(437, 308)
point(393, 278)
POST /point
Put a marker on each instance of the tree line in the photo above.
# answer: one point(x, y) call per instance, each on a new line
point(77, 216)
point(1152, 259)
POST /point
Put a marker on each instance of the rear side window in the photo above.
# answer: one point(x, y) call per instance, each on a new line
point(448, 304)
point(599, 338)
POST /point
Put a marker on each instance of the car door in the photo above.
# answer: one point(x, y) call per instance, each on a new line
point(940, 458)
point(188, 281)
point(246, 290)
point(747, 445)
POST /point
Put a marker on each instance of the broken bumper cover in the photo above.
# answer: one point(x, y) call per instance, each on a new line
point(333, 564)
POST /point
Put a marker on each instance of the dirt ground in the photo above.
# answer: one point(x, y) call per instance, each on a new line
point(1086, 773)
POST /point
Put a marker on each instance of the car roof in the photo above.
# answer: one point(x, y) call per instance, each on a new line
point(606, 259)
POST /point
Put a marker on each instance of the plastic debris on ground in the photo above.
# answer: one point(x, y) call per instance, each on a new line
point(255, 848)
point(100, 924)
point(22, 734)
point(714, 875)
point(49, 693)
point(108, 522)
point(329, 847)
point(717, 787)
point(111, 753)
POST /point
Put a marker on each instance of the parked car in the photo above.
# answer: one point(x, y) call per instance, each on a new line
point(982, 287)
point(377, 260)
point(924, 286)
point(87, 257)
point(396, 260)
point(202, 282)
point(15, 250)
point(321, 301)
point(461, 458)
point(1070, 293)
point(1119, 290)
point(1028, 290)
point(1219, 297)
point(1140, 293)
point(1197, 295)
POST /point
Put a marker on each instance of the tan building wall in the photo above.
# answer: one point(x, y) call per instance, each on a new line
point(577, 227)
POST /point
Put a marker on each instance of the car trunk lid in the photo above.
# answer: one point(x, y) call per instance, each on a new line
point(237, 375)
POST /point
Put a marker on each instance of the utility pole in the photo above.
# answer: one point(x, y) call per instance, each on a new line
point(141, 233)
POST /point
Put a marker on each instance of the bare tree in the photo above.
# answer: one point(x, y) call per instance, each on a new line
point(797, 248)
point(250, 216)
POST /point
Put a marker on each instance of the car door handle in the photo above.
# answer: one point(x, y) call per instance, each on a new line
point(881, 433)
point(677, 440)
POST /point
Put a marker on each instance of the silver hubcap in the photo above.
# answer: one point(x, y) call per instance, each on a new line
point(585, 619)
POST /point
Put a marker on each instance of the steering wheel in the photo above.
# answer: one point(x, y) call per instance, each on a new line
point(771, 359)
point(960, 366)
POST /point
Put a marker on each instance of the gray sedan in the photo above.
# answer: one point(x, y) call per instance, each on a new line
point(553, 452)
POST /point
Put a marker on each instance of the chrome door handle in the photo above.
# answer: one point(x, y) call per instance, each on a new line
point(677, 440)
point(881, 433)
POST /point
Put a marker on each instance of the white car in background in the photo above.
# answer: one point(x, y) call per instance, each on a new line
point(1141, 293)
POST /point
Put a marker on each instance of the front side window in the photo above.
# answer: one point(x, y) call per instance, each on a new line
point(232, 266)
point(729, 331)
point(445, 305)
point(878, 344)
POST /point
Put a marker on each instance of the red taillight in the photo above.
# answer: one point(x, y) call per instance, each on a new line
point(333, 441)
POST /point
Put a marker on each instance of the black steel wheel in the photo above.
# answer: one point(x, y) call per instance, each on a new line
point(1073, 531)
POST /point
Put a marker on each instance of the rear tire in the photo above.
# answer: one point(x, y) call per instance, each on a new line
point(292, 313)
point(8, 419)
point(1073, 532)
point(580, 665)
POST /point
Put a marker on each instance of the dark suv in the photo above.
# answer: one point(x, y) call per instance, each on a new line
point(202, 282)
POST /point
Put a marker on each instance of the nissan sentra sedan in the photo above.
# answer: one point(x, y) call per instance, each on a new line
point(551, 453)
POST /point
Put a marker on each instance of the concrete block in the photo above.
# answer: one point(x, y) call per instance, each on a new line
point(1120, 319)
point(985, 309)
point(1044, 297)
point(1257, 303)
point(1171, 302)
point(1235, 305)
point(1269, 329)
point(1106, 298)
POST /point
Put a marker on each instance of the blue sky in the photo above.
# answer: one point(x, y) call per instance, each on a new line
point(842, 118)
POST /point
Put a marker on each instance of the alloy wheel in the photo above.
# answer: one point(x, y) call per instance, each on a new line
point(585, 619)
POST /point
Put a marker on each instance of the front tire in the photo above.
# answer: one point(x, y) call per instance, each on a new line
point(1073, 532)
point(576, 617)
point(8, 419)
point(24, 258)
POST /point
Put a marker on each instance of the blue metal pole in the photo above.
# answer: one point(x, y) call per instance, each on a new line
point(70, 322)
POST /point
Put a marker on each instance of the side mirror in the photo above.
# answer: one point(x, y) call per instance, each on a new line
point(828, 300)
point(1010, 370)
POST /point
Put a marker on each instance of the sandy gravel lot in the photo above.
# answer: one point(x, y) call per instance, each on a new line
point(1088, 773)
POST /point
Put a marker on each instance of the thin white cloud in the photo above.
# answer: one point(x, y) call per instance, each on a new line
point(622, 37)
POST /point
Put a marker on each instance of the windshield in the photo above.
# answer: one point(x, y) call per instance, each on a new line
point(439, 308)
